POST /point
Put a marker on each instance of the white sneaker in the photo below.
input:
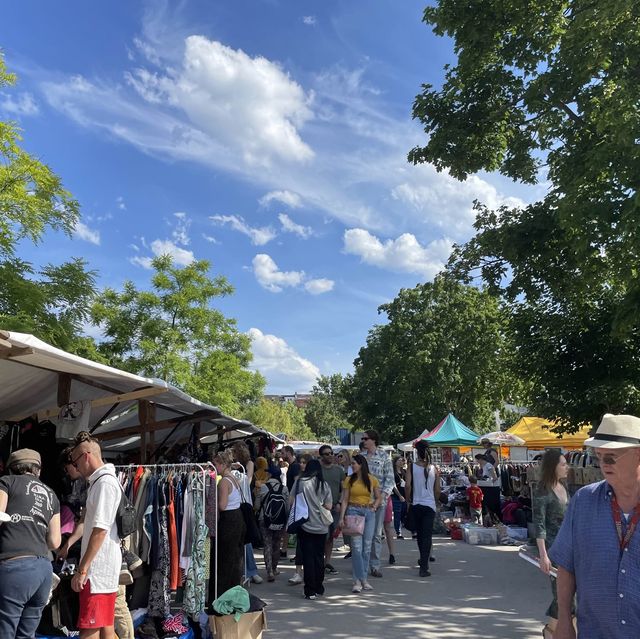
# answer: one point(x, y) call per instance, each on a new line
point(295, 580)
point(357, 586)
point(366, 585)
point(256, 579)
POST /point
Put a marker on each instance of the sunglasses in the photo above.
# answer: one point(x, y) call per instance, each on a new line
point(327, 454)
point(364, 439)
point(74, 462)
point(610, 460)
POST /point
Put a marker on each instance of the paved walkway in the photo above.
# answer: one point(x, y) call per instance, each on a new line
point(485, 592)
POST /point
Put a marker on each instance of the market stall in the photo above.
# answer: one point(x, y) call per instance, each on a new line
point(539, 434)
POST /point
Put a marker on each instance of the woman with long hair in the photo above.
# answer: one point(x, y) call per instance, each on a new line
point(422, 489)
point(297, 579)
point(231, 527)
point(550, 502)
point(314, 531)
point(242, 456)
point(361, 496)
point(343, 457)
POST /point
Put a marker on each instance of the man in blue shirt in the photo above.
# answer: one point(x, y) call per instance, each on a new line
point(597, 549)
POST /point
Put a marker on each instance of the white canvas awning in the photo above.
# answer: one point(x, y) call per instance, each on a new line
point(37, 378)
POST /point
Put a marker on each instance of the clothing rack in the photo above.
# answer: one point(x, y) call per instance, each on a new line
point(189, 467)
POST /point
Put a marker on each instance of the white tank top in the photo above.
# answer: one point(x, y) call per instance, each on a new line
point(234, 496)
point(422, 490)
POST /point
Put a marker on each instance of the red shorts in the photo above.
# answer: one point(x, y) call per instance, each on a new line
point(96, 610)
point(388, 513)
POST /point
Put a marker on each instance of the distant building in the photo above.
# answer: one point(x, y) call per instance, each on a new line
point(299, 399)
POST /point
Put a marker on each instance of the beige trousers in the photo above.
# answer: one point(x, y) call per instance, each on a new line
point(123, 623)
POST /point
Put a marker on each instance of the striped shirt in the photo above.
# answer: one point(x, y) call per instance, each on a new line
point(606, 579)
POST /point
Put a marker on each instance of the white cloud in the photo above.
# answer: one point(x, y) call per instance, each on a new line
point(271, 278)
point(286, 371)
point(444, 201)
point(290, 226)
point(319, 286)
point(258, 236)
point(402, 255)
point(309, 20)
point(249, 105)
point(210, 239)
point(290, 199)
point(120, 203)
point(22, 104)
point(180, 233)
point(208, 103)
point(83, 232)
point(180, 256)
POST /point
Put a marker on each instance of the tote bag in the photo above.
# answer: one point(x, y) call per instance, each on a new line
point(299, 513)
point(353, 525)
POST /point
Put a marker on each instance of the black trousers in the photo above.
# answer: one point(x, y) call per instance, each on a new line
point(231, 530)
point(424, 518)
point(312, 547)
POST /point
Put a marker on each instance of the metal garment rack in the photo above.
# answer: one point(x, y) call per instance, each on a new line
point(190, 467)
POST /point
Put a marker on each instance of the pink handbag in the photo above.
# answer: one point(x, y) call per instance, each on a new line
point(353, 525)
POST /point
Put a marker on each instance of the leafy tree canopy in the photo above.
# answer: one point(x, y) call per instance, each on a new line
point(171, 332)
point(442, 350)
point(52, 301)
point(32, 197)
point(327, 408)
point(278, 417)
point(550, 89)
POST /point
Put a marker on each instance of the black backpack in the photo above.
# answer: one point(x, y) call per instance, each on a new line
point(125, 516)
point(274, 509)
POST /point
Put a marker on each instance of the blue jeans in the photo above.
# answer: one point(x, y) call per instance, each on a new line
point(24, 589)
point(376, 546)
point(361, 544)
point(250, 566)
point(399, 513)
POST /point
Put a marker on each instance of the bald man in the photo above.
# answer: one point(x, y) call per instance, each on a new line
point(101, 557)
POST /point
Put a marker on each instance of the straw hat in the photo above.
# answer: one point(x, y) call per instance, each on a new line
point(616, 431)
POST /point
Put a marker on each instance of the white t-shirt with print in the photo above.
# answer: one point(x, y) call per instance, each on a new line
point(103, 499)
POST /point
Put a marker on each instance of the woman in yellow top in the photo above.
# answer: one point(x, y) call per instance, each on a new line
point(361, 496)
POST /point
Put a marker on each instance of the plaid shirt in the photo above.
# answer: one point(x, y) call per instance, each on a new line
point(606, 579)
point(381, 466)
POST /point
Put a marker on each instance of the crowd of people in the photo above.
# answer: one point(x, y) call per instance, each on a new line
point(586, 539)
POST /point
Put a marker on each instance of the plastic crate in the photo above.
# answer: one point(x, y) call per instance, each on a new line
point(481, 536)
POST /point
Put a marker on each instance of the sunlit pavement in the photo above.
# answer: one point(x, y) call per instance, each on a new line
point(474, 591)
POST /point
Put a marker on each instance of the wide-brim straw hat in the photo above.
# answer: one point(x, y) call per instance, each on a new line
point(616, 431)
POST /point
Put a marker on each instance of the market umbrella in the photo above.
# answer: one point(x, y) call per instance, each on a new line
point(504, 439)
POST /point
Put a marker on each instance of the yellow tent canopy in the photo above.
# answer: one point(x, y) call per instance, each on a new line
point(538, 433)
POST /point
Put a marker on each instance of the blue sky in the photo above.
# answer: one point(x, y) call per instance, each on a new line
point(267, 137)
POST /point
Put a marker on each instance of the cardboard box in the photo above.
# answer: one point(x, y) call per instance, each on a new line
point(250, 625)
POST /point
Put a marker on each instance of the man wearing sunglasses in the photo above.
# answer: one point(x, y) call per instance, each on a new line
point(381, 466)
point(334, 476)
point(597, 549)
point(98, 573)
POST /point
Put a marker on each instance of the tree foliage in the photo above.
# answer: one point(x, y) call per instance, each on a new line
point(52, 301)
point(32, 197)
point(171, 332)
point(442, 350)
point(276, 417)
point(327, 408)
point(550, 89)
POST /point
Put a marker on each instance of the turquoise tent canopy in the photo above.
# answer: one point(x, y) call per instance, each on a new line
point(451, 432)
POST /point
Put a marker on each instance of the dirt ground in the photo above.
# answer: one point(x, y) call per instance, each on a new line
point(486, 592)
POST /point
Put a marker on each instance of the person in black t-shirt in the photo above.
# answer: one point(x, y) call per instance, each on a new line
point(30, 528)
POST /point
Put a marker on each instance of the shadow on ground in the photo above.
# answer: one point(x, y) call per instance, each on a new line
point(474, 591)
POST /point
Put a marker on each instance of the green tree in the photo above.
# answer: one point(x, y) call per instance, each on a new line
point(327, 410)
point(171, 332)
point(442, 350)
point(550, 88)
point(285, 418)
point(52, 301)
point(32, 197)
